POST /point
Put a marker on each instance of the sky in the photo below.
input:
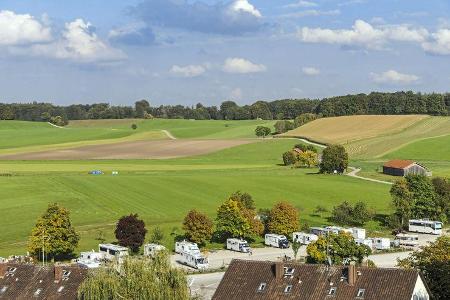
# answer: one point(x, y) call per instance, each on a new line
point(190, 51)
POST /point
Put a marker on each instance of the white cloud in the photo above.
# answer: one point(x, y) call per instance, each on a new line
point(393, 77)
point(16, 29)
point(188, 71)
point(310, 71)
point(78, 42)
point(242, 66)
point(440, 43)
point(312, 13)
point(364, 35)
point(246, 7)
point(301, 3)
point(236, 94)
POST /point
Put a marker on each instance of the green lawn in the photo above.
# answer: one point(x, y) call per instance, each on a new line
point(433, 149)
point(162, 191)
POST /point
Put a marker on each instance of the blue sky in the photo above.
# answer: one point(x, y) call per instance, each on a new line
point(189, 51)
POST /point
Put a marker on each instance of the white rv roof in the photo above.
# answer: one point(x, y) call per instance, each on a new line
point(425, 221)
point(113, 247)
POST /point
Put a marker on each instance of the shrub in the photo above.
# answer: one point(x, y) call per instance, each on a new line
point(289, 158)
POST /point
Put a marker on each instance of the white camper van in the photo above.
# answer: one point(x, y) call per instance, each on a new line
point(381, 243)
point(425, 226)
point(152, 249)
point(276, 240)
point(367, 242)
point(358, 233)
point(304, 238)
point(194, 260)
point(90, 260)
point(186, 247)
point(238, 245)
point(409, 240)
point(111, 251)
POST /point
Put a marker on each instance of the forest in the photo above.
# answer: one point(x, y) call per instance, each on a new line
point(375, 103)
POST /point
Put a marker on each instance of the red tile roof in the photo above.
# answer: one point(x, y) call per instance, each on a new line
point(398, 163)
point(313, 282)
point(28, 281)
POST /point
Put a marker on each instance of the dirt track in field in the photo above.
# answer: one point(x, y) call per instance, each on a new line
point(156, 149)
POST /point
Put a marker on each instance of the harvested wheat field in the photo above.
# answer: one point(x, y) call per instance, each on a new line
point(156, 149)
point(351, 128)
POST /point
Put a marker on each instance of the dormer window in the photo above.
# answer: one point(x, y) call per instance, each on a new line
point(60, 289)
point(360, 293)
point(288, 289)
point(38, 291)
point(332, 291)
point(262, 287)
point(288, 272)
point(11, 269)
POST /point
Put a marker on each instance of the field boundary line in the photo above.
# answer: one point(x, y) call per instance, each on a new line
point(54, 125)
point(169, 135)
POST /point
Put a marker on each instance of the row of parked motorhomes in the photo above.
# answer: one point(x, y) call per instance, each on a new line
point(190, 254)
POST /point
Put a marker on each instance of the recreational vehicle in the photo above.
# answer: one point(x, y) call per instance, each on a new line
point(410, 240)
point(425, 226)
point(90, 260)
point(186, 247)
point(319, 231)
point(238, 245)
point(152, 249)
point(367, 242)
point(304, 238)
point(358, 233)
point(381, 243)
point(194, 260)
point(276, 240)
point(111, 251)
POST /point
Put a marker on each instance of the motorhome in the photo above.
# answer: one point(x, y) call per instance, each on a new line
point(112, 251)
point(319, 231)
point(152, 249)
point(381, 243)
point(187, 247)
point(238, 245)
point(425, 226)
point(194, 260)
point(367, 242)
point(358, 233)
point(304, 238)
point(276, 240)
point(409, 240)
point(91, 260)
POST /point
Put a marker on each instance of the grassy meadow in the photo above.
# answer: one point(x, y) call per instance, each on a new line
point(162, 191)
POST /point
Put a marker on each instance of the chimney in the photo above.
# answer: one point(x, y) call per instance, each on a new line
point(351, 276)
point(279, 270)
point(58, 272)
point(3, 268)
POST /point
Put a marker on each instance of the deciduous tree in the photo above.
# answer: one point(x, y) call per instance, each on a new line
point(130, 232)
point(289, 158)
point(283, 219)
point(198, 227)
point(55, 232)
point(433, 261)
point(262, 131)
point(230, 221)
point(334, 159)
point(307, 159)
point(342, 249)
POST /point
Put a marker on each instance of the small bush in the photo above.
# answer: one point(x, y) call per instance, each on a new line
point(134, 126)
point(289, 158)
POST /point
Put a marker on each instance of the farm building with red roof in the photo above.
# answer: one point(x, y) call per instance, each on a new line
point(400, 167)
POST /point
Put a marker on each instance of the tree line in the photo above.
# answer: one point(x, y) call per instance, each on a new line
point(375, 103)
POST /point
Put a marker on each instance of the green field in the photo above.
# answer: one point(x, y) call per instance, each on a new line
point(162, 191)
